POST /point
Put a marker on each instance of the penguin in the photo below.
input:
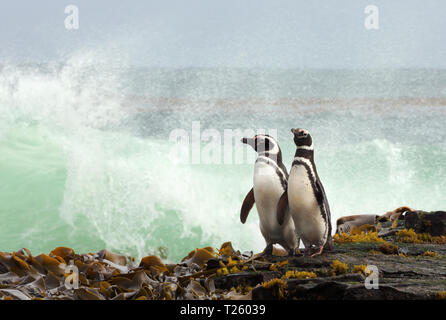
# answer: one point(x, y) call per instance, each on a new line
point(269, 183)
point(305, 198)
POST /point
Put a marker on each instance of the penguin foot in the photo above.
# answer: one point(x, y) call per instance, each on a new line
point(309, 252)
point(268, 250)
point(319, 252)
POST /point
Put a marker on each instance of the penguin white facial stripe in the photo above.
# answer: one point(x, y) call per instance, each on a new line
point(305, 147)
point(275, 149)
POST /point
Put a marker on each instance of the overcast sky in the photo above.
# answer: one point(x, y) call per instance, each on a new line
point(230, 33)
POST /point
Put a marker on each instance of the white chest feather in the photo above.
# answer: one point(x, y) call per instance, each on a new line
point(300, 191)
point(304, 207)
point(268, 189)
point(267, 186)
point(267, 192)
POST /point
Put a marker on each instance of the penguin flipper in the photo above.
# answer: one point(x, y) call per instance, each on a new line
point(247, 205)
point(282, 207)
point(322, 199)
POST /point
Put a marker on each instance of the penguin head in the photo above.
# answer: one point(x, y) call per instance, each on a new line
point(302, 138)
point(262, 143)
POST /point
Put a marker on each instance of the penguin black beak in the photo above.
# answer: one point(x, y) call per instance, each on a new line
point(248, 141)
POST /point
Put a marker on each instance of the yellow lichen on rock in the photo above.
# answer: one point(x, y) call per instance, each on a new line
point(427, 238)
point(278, 265)
point(410, 236)
point(366, 228)
point(232, 266)
point(388, 248)
point(338, 267)
point(357, 236)
point(273, 267)
point(222, 271)
point(359, 268)
point(441, 295)
point(242, 289)
point(277, 285)
point(362, 269)
point(294, 274)
point(231, 263)
point(234, 269)
point(276, 282)
point(429, 253)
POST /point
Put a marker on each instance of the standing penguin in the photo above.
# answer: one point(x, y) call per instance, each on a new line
point(270, 181)
point(305, 198)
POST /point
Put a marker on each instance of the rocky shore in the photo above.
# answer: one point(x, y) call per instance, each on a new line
point(409, 255)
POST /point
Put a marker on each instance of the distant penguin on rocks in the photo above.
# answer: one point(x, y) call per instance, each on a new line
point(269, 183)
point(305, 198)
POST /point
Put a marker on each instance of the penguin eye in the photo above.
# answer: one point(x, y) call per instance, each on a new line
point(262, 144)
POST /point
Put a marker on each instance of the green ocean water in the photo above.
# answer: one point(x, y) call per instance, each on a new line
point(86, 160)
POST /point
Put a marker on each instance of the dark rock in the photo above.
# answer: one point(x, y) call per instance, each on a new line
point(360, 292)
point(238, 279)
point(261, 293)
point(407, 271)
point(267, 276)
point(433, 223)
point(349, 277)
point(402, 274)
point(212, 263)
point(330, 290)
point(386, 232)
